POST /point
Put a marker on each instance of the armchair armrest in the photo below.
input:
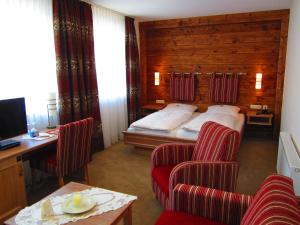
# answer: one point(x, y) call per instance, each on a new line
point(225, 207)
point(218, 175)
point(171, 154)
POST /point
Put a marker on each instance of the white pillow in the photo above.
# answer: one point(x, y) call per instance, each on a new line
point(224, 109)
point(180, 106)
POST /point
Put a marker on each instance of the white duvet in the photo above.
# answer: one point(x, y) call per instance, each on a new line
point(163, 120)
point(223, 119)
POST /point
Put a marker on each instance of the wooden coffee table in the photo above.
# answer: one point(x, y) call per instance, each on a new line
point(108, 218)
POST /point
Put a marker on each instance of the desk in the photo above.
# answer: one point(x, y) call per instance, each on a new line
point(12, 185)
point(107, 218)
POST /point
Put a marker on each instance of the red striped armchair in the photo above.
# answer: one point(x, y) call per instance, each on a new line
point(210, 162)
point(72, 153)
point(273, 203)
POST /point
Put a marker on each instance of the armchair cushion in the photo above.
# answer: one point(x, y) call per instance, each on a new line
point(273, 203)
point(216, 143)
point(161, 175)
point(171, 154)
point(218, 175)
point(177, 218)
point(225, 207)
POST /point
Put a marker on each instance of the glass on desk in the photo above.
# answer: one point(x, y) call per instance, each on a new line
point(32, 131)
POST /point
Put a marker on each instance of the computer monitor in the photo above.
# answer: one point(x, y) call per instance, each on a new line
point(13, 120)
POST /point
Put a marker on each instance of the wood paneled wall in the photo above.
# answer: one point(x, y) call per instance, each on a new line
point(248, 42)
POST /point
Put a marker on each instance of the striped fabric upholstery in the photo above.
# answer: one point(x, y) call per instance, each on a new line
point(224, 88)
point(182, 87)
point(224, 207)
point(74, 146)
point(160, 195)
point(73, 149)
point(216, 143)
point(218, 175)
point(171, 154)
point(274, 203)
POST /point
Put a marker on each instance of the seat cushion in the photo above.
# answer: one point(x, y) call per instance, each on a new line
point(46, 162)
point(161, 175)
point(178, 218)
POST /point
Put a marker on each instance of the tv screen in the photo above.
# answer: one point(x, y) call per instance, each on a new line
point(13, 120)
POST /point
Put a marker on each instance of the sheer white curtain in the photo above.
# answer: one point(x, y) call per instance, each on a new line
point(109, 40)
point(27, 55)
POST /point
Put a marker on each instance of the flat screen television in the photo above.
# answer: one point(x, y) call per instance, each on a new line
point(13, 120)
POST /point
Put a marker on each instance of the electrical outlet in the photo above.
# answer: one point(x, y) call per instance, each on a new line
point(160, 101)
point(255, 106)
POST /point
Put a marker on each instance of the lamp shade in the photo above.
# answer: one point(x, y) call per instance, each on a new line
point(258, 81)
point(156, 78)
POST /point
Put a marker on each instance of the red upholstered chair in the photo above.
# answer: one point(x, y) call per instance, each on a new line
point(73, 151)
point(210, 162)
point(273, 203)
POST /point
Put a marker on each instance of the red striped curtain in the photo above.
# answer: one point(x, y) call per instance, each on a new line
point(75, 65)
point(224, 88)
point(182, 86)
point(132, 71)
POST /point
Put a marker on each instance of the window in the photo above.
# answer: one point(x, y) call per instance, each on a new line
point(27, 55)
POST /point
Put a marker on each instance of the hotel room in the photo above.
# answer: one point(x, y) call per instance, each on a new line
point(149, 112)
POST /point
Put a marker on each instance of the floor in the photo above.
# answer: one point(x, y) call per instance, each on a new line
point(121, 168)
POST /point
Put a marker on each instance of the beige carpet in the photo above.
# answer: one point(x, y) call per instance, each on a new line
point(121, 168)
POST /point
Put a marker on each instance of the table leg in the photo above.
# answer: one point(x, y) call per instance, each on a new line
point(128, 216)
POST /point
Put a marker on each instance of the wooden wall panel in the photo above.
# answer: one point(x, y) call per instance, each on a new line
point(249, 42)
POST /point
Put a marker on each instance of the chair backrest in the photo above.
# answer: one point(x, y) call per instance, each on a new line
point(216, 143)
point(74, 146)
point(273, 203)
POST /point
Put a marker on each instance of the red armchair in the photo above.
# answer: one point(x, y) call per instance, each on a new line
point(72, 153)
point(273, 203)
point(209, 162)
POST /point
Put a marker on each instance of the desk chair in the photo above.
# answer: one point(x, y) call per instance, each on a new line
point(210, 162)
point(274, 203)
point(72, 153)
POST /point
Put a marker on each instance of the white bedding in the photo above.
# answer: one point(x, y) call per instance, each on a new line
point(163, 120)
point(193, 135)
point(170, 133)
point(193, 123)
point(223, 119)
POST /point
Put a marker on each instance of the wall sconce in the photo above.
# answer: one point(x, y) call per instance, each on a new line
point(156, 78)
point(258, 81)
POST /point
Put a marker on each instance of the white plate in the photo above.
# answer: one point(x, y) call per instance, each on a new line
point(86, 204)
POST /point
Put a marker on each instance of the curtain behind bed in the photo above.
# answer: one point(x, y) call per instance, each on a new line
point(182, 86)
point(224, 88)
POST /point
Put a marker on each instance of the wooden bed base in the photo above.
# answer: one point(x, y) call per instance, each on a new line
point(149, 142)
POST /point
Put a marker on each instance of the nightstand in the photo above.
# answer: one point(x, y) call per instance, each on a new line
point(258, 124)
point(151, 108)
point(255, 118)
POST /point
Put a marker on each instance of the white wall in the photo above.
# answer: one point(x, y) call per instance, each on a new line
point(291, 97)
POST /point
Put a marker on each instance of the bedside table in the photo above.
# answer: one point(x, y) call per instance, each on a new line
point(151, 108)
point(259, 124)
point(259, 119)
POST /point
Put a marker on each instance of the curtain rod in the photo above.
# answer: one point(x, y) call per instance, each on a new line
point(217, 73)
point(92, 3)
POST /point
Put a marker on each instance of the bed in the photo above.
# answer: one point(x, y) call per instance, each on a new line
point(186, 131)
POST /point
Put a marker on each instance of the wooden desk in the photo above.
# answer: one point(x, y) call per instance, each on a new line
point(12, 185)
point(108, 218)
